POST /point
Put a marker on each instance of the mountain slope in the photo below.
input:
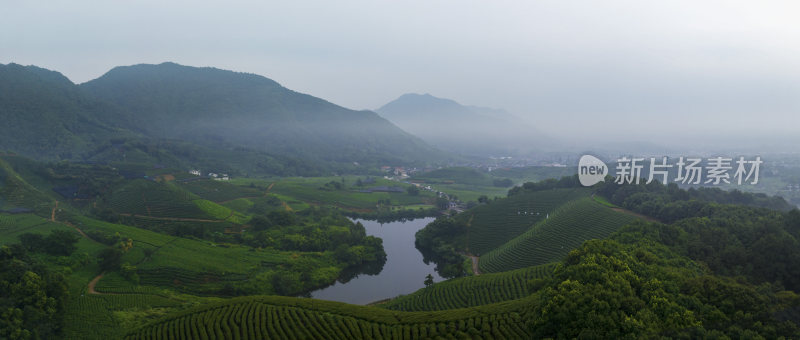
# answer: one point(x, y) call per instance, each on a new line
point(212, 106)
point(46, 116)
point(467, 130)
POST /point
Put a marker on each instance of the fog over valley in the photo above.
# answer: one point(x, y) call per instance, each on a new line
point(680, 73)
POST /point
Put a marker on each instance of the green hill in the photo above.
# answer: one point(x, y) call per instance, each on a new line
point(471, 291)
point(494, 224)
point(217, 107)
point(273, 317)
point(46, 116)
point(551, 239)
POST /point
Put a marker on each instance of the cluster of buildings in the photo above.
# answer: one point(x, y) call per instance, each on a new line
point(399, 171)
point(212, 175)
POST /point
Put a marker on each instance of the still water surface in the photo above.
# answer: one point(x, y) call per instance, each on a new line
point(403, 273)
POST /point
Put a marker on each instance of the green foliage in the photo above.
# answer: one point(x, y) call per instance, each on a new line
point(492, 225)
point(351, 199)
point(46, 116)
point(290, 318)
point(459, 175)
point(551, 239)
point(129, 272)
point(471, 291)
point(484, 228)
point(669, 203)
point(550, 183)
point(110, 258)
point(428, 280)
point(642, 289)
point(438, 242)
point(148, 198)
point(32, 297)
point(58, 242)
point(219, 191)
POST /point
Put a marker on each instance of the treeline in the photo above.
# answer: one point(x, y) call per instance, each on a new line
point(657, 194)
point(670, 203)
point(387, 216)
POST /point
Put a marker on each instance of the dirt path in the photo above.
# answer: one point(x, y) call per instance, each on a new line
point(93, 283)
point(475, 269)
point(53, 219)
point(79, 231)
point(53, 213)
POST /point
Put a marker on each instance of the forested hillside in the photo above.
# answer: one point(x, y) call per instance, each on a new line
point(212, 106)
point(44, 115)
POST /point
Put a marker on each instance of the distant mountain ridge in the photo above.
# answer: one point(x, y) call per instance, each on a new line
point(469, 130)
point(209, 105)
point(175, 114)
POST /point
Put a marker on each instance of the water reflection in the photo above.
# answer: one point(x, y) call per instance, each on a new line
point(403, 273)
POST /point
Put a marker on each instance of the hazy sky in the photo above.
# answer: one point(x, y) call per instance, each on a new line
point(569, 66)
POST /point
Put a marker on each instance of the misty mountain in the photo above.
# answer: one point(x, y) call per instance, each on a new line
point(213, 107)
point(468, 130)
point(46, 116)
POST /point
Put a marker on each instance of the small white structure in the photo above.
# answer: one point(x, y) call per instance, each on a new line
point(195, 172)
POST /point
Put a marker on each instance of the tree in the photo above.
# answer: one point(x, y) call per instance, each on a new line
point(282, 217)
point(442, 203)
point(429, 280)
point(413, 190)
point(483, 199)
point(110, 258)
point(32, 242)
point(260, 223)
point(61, 242)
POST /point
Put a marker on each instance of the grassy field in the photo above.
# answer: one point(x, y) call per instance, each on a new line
point(220, 191)
point(551, 239)
point(468, 184)
point(292, 318)
point(532, 173)
point(313, 191)
point(193, 257)
point(471, 291)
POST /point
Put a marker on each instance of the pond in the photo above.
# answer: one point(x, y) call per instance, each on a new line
point(403, 273)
